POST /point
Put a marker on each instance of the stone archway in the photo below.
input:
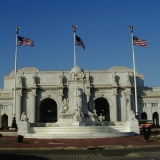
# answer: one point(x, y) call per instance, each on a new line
point(155, 118)
point(143, 116)
point(102, 109)
point(48, 111)
point(4, 121)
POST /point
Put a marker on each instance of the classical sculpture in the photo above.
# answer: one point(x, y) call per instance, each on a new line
point(23, 117)
point(128, 78)
point(78, 98)
point(78, 104)
point(34, 79)
point(131, 116)
point(91, 107)
point(20, 79)
point(87, 77)
point(61, 78)
point(114, 78)
point(78, 115)
point(65, 104)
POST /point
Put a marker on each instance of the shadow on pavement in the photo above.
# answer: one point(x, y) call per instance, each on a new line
point(22, 157)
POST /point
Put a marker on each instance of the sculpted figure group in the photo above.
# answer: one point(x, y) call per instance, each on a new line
point(78, 103)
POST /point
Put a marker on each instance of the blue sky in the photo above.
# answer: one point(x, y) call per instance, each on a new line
point(103, 25)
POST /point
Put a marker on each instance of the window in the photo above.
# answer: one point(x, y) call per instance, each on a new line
point(144, 104)
point(4, 107)
point(154, 104)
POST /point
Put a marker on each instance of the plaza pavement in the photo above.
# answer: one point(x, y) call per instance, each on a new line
point(10, 142)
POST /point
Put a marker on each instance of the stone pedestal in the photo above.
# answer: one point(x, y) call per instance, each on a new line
point(133, 124)
point(23, 127)
point(81, 123)
point(92, 120)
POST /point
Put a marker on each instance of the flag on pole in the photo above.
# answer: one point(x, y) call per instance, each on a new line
point(138, 41)
point(79, 42)
point(22, 41)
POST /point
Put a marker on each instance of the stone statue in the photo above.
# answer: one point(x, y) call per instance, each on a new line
point(70, 76)
point(128, 78)
point(34, 79)
point(114, 78)
point(87, 77)
point(75, 76)
point(78, 98)
point(61, 78)
point(78, 114)
point(131, 116)
point(65, 106)
point(78, 104)
point(92, 107)
point(23, 117)
point(82, 75)
point(20, 79)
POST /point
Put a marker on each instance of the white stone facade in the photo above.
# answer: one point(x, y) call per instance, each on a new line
point(105, 97)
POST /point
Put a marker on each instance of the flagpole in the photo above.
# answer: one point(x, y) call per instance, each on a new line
point(135, 85)
point(74, 27)
point(15, 72)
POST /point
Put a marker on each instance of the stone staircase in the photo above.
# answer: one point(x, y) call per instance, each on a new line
point(79, 132)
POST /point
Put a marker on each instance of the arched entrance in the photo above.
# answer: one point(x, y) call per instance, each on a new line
point(4, 121)
point(143, 116)
point(102, 108)
point(48, 111)
point(155, 119)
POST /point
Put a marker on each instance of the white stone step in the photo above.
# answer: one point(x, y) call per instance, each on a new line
point(79, 132)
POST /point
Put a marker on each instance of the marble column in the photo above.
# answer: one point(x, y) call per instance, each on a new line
point(114, 107)
point(61, 109)
point(123, 109)
point(149, 112)
point(128, 104)
point(31, 106)
point(18, 107)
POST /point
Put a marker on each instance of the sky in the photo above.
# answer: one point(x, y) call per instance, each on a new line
point(103, 25)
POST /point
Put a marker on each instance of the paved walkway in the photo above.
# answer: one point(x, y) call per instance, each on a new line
point(10, 142)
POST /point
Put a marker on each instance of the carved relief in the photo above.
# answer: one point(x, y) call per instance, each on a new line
point(76, 76)
point(65, 105)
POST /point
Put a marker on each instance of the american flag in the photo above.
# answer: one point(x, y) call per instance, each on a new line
point(22, 41)
point(79, 42)
point(138, 41)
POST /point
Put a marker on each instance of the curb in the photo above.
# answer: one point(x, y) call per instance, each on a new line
point(108, 147)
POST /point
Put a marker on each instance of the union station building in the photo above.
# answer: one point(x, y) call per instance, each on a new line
point(48, 96)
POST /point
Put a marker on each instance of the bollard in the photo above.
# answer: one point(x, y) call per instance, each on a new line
point(20, 139)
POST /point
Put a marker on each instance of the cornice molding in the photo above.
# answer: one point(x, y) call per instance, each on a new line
point(148, 96)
